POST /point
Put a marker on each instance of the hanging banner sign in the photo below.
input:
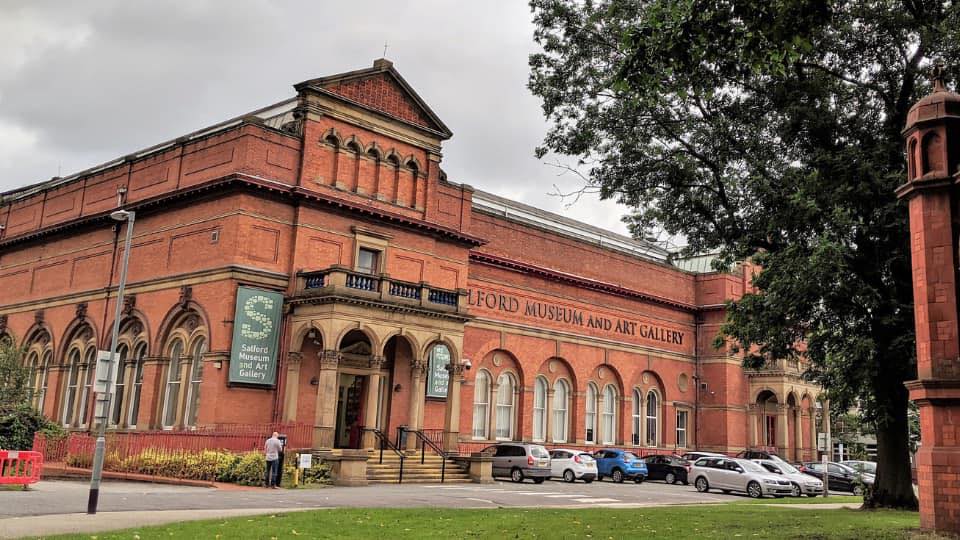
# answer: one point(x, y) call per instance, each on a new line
point(438, 378)
point(256, 335)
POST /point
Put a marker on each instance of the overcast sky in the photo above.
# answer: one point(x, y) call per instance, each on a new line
point(85, 82)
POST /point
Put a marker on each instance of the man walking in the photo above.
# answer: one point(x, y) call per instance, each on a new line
point(271, 452)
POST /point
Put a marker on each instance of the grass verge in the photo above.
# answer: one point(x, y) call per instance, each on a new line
point(722, 521)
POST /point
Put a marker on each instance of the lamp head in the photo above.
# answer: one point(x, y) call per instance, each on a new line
point(120, 215)
point(467, 364)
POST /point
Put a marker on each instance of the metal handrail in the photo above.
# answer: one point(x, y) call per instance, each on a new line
point(385, 443)
point(424, 442)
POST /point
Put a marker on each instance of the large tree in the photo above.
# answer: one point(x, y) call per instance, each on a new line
point(765, 130)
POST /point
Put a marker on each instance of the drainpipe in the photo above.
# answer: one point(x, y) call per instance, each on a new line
point(697, 321)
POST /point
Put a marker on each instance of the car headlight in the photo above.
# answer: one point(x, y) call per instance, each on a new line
point(770, 481)
point(814, 484)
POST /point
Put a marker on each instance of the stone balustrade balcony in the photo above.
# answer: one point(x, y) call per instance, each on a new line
point(341, 281)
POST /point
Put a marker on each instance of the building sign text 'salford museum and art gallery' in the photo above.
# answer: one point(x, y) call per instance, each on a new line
point(311, 262)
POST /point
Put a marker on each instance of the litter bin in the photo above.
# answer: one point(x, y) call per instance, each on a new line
point(402, 437)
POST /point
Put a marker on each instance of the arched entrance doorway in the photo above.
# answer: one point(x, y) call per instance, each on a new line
point(768, 407)
point(361, 394)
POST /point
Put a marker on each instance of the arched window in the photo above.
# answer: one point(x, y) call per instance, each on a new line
point(481, 405)
point(540, 409)
point(561, 396)
point(590, 416)
point(505, 386)
point(139, 355)
point(72, 389)
point(637, 408)
point(86, 395)
point(43, 379)
point(120, 377)
point(172, 391)
point(196, 377)
point(653, 418)
point(608, 420)
point(33, 369)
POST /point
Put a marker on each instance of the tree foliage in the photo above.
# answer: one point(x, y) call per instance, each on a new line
point(14, 377)
point(765, 130)
point(18, 419)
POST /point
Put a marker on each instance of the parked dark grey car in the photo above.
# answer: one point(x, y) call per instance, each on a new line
point(520, 460)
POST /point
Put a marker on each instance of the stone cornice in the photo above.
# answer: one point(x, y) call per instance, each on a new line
point(246, 181)
point(386, 306)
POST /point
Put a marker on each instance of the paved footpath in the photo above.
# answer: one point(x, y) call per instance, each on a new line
point(54, 507)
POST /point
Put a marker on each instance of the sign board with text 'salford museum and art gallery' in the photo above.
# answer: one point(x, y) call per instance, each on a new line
point(256, 337)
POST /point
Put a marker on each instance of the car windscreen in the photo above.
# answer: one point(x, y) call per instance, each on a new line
point(538, 452)
point(787, 468)
point(750, 466)
point(629, 456)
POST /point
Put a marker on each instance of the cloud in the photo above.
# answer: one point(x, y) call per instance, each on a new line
point(85, 82)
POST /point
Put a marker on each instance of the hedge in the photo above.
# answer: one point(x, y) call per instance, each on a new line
point(210, 465)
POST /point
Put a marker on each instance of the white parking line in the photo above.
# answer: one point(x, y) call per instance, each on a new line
point(596, 500)
point(566, 496)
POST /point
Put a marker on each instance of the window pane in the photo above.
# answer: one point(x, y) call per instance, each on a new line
point(481, 400)
point(653, 419)
point(560, 411)
point(368, 261)
point(539, 409)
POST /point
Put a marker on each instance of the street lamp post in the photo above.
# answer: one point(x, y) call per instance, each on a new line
point(120, 216)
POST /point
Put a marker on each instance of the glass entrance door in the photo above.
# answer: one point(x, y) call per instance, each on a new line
point(350, 411)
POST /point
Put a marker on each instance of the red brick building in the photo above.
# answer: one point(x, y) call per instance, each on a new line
point(554, 330)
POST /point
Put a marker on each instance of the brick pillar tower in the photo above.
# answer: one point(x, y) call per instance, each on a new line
point(933, 153)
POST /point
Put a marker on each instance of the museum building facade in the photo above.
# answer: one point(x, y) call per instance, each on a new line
point(310, 262)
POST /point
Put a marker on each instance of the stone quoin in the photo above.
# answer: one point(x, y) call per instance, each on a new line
point(408, 299)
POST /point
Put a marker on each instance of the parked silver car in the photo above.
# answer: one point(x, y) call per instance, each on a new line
point(520, 460)
point(803, 484)
point(734, 474)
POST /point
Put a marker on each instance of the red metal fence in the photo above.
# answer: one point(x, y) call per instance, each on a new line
point(467, 448)
point(205, 453)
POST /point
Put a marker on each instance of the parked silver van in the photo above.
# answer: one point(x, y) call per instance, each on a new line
point(519, 461)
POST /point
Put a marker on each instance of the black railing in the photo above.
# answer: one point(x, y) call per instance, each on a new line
point(386, 444)
point(315, 280)
point(425, 442)
point(447, 298)
point(363, 282)
point(404, 290)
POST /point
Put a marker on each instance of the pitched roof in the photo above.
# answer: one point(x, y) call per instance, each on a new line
point(381, 89)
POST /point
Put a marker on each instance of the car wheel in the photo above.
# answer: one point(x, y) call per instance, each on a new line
point(796, 491)
point(617, 476)
point(516, 475)
point(670, 478)
point(568, 476)
point(538, 480)
point(702, 485)
point(857, 490)
point(754, 490)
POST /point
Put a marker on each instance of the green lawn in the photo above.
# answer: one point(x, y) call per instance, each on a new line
point(702, 521)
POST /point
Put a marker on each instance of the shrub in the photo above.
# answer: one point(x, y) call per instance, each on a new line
point(249, 470)
point(18, 427)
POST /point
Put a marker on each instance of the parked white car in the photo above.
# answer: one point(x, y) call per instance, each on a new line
point(803, 484)
point(572, 465)
point(734, 474)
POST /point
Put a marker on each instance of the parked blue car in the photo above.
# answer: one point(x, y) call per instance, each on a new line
point(620, 465)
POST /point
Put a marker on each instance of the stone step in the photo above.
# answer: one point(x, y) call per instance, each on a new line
point(420, 481)
point(388, 479)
